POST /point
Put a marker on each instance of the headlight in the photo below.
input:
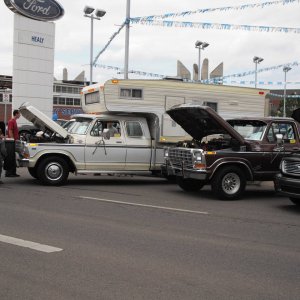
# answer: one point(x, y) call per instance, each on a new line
point(198, 156)
point(166, 152)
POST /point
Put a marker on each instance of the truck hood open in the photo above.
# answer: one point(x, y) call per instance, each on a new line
point(40, 120)
point(200, 121)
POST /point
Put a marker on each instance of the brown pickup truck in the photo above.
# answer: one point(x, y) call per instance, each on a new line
point(228, 154)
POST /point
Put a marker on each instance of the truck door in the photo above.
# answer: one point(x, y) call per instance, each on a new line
point(290, 143)
point(138, 146)
point(105, 154)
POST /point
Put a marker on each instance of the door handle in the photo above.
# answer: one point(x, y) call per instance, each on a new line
point(118, 142)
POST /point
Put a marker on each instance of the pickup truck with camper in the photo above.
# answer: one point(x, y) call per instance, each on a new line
point(228, 154)
point(136, 109)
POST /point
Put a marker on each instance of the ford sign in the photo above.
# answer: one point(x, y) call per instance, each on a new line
point(42, 10)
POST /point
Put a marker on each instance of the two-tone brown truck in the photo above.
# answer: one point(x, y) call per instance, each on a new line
point(228, 154)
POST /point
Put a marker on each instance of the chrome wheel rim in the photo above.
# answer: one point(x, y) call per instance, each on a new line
point(231, 183)
point(54, 171)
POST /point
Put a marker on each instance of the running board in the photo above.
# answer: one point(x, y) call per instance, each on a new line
point(102, 172)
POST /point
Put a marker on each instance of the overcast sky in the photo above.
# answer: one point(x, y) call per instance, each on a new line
point(156, 49)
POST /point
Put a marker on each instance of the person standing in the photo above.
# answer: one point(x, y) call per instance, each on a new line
point(2, 152)
point(13, 135)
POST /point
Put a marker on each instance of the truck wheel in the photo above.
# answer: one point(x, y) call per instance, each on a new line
point(295, 200)
point(229, 183)
point(53, 171)
point(32, 172)
point(189, 184)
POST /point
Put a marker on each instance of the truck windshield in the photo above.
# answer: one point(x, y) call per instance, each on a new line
point(79, 126)
point(248, 129)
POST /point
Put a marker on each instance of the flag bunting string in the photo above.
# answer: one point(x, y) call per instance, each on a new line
point(217, 80)
point(216, 9)
point(219, 26)
point(108, 43)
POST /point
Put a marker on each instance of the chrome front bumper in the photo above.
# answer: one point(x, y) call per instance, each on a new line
point(185, 173)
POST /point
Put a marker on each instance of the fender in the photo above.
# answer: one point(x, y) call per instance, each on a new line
point(231, 161)
point(33, 161)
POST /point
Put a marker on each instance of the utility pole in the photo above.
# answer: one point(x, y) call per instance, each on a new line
point(127, 39)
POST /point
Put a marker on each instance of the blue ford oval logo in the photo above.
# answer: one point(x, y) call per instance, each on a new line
point(42, 10)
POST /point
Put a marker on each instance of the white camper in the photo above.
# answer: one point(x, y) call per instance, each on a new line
point(157, 96)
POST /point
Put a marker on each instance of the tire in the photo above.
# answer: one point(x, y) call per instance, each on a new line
point(32, 172)
point(53, 171)
point(189, 184)
point(295, 200)
point(171, 178)
point(229, 183)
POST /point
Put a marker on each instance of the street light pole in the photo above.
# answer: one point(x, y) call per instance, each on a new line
point(201, 46)
point(88, 12)
point(285, 70)
point(91, 49)
point(127, 40)
point(256, 60)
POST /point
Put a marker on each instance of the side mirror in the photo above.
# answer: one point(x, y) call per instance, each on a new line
point(106, 134)
point(279, 138)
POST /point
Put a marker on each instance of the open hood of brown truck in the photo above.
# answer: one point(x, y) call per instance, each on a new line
point(200, 121)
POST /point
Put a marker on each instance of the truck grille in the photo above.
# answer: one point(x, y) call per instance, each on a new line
point(177, 156)
point(291, 167)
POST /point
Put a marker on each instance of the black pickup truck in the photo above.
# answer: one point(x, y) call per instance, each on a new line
point(288, 180)
point(226, 154)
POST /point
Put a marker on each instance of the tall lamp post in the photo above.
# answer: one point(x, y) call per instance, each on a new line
point(200, 46)
point(256, 60)
point(98, 14)
point(285, 70)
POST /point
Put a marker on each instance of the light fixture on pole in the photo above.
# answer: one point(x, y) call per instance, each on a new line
point(200, 46)
point(92, 14)
point(285, 70)
point(256, 60)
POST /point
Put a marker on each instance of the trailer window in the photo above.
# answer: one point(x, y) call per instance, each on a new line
point(134, 129)
point(131, 93)
point(91, 98)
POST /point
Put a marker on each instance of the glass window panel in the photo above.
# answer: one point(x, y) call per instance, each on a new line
point(134, 129)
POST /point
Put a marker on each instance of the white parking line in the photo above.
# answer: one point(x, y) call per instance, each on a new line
point(150, 206)
point(28, 244)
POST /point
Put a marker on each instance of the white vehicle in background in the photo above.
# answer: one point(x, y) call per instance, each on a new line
point(125, 129)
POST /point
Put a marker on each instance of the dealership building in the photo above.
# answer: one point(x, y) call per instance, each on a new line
point(65, 100)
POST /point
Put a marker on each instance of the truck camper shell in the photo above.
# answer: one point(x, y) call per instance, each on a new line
point(158, 96)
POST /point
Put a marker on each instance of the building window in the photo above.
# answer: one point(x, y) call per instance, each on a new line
point(131, 93)
point(58, 89)
point(91, 98)
point(69, 101)
point(76, 102)
point(64, 89)
point(55, 100)
point(62, 101)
